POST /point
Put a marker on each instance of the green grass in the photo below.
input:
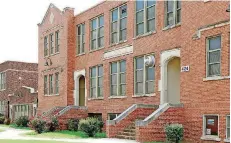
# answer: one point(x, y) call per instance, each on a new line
point(101, 135)
point(16, 127)
point(28, 141)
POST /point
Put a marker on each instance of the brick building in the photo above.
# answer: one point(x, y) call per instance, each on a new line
point(139, 65)
point(18, 89)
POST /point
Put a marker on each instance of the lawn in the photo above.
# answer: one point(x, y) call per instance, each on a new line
point(28, 141)
point(63, 134)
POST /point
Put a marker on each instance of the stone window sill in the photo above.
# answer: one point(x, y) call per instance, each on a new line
point(51, 95)
point(99, 98)
point(144, 95)
point(120, 42)
point(96, 50)
point(210, 138)
point(215, 78)
point(80, 54)
point(51, 55)
point(117, 97)
point(2, 90)
point(226, 140)
point(171, 27)
point(144, 35)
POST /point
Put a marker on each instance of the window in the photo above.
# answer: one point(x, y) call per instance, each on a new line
point(57, 43)
point(213, 56)
point(57, 83)
point(144, 77)
point(145, 16)
point(172, 13)
point(45, 46)
point(119, 24)
point(45, 85)
point(2, 81)
point(80, 38)
point(96, 82)
point(51, 89)
point(211, 125)
point(97, 33)
point(228, 127)
point(118, 78)
point(2, 107)
point(112, 116)
point(21, 110)
point(51, 43)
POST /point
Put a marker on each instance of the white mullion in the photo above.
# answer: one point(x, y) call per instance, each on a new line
point(118, 26)
point(144, 77)
point(97, 32)
point(118, 78)
point(174, 11)
point(80, 50)
point(96, 82)
point(145, 18)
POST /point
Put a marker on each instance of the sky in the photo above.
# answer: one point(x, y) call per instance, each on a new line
point(18, 25)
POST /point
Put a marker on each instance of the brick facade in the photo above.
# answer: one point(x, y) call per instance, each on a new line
point(198, 94)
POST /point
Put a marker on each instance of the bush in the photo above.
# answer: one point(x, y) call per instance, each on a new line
point(90, 126)
point(100, 135)
point(52, 125)
point(38, 125)
point(174, 132)
point(22, 121)
point(2, 119)
point(7, 121)
point(72, 124)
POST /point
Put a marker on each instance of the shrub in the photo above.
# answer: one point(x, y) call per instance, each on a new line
point(174, 132)
point(2, 119)
point(7, 121)
point(52, 125)
point(90, 126)
point(100, 135)
point(72, 124)
point(22, 121)
point(38, 125)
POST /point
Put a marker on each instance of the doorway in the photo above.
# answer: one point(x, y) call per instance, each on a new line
point(82, 91)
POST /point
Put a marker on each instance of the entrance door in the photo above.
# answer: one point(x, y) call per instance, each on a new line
point(82, 91)
point(173, 81)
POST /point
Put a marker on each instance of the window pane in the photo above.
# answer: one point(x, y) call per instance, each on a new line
point(93, 92)
point(114, 90)
point(122, 89)
point(100, 92)
point(93, 34)
point(83, 28)
point(100, 81)
point(123, 35)
point(140, 29)
point(178, 16)
point(151, 25)
point(79, 30)
point(139, 5)
point(140, 63)
point(100, 70)
point(101, 32)
point(114, 79)
point(151, 13)
point(123, 23)
point(214, 69)
point(178, 4)
point(228, 121)
point(93, 72)
point(93, 24)
point(150, 87)
point(101, 21)
point(214, 56)
point(93, 44)
point(115, 15)
point(170, 19)
point(139, 76)
point(93, 82)
point(122, 78)
point(215, 43)
point(114, 68)
point(123, 66)
point(123, 11)
point(139, 88)
point(101, 42)
point(114, 27)
point(114, 38)
point(151, 2)
point(140, 16)
point(150, 73)
point(212, 124)
point(170, 6)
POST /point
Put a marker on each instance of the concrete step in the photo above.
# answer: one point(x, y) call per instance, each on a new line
point(127, 133)
point(129, 130)
point(126, 137)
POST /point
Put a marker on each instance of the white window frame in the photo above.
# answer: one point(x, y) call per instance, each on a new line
point(145, 20)
point(97, 32)
point(96, 80)
point(18, 110)
point(46, 87)
point(144, 77)
point(118, 74)
point(207, 55)
point(57, 41)
point(57, 83)
point(118, 30)
point(51, 84)
point(174, 14)
point(227, 127)
point(2, 81)
point(46, 43)
point(204, 125)
point(51, 43)
point(80, 43)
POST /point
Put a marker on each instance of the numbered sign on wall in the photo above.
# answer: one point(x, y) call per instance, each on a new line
point(184, 68)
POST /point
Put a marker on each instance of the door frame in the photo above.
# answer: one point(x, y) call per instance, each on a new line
point(77, 75)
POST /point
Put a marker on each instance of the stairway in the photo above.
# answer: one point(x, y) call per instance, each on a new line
point(52, 113)
point(128, 133)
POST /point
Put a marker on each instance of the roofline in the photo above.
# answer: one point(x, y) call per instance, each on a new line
point(91, 7)
point(18, 62)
